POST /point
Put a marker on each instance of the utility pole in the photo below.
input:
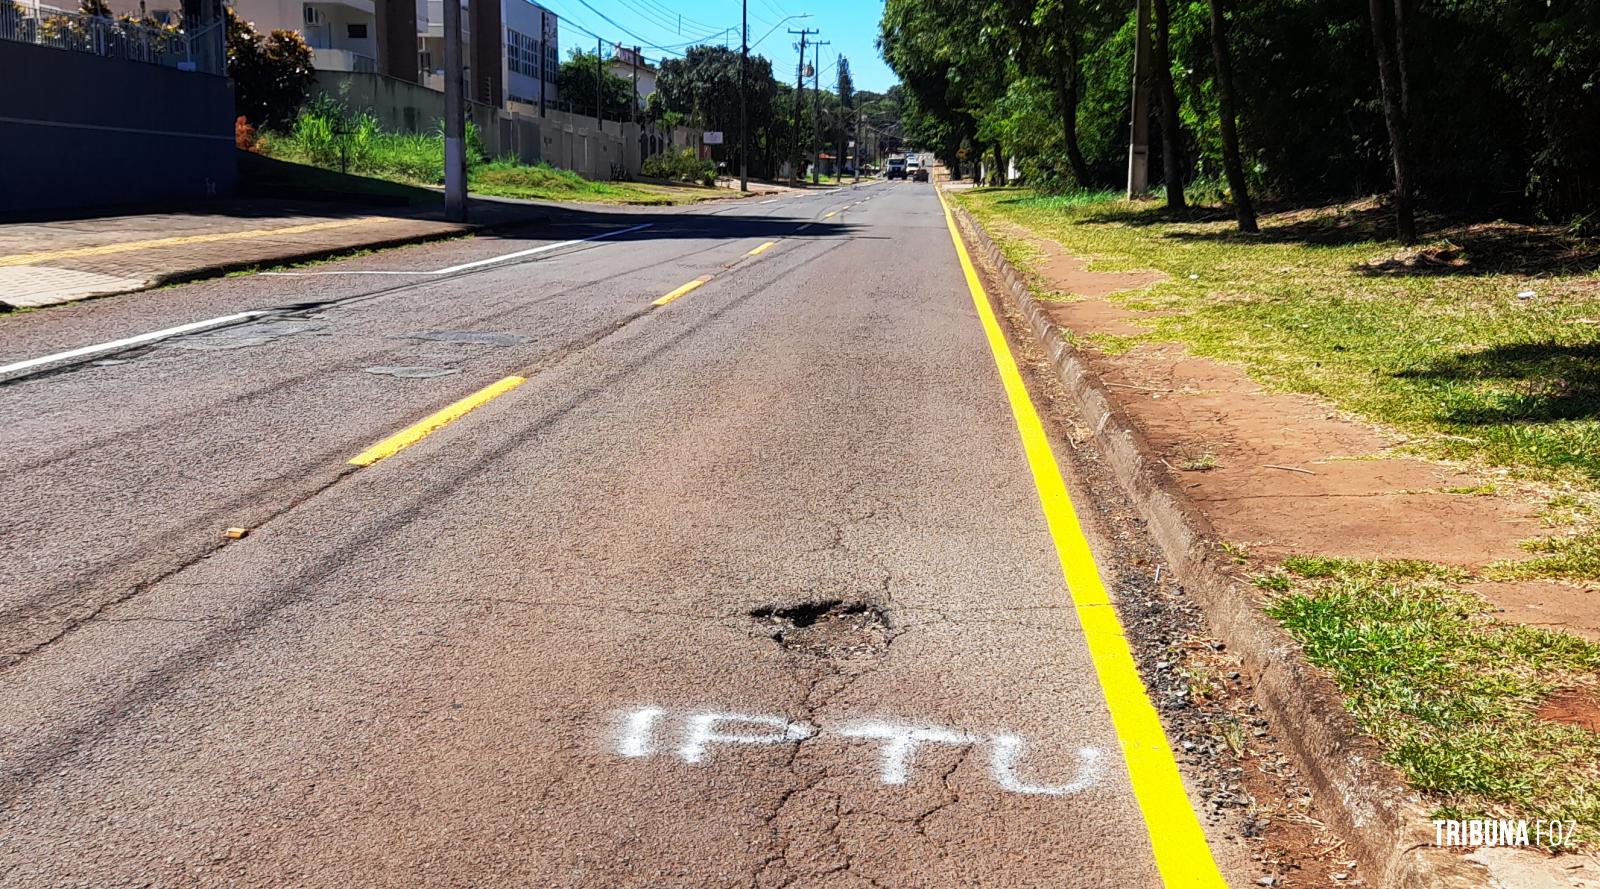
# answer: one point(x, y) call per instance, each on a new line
point(544, 56)
point(455, 156)
point(855, 161)
point(744, 78)
point(799, 91)
point(633, 115)
point(1139, 143)
point(816, 110)
point(599, 82)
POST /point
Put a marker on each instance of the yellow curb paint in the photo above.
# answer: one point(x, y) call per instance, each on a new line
point(1176, 838)
point(762, 249)
point(182, 240)
point(681, 290)
point(421, 429)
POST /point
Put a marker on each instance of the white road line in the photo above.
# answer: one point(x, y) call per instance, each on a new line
point(773, 201)
point(356, 272)
point(532, 250)
point(116, 345)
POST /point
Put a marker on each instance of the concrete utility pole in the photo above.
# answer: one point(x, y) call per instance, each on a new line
point(1139, 143)
point(633, 115)
point(799, 90)
point(855, 161)
point(544, 56)
point(455, 155)
point(744, 78)
point(599, 82)
point(816, 110)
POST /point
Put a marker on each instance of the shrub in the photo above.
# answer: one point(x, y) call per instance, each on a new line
point(244, 135)
point(271, 75)
point(680, 166)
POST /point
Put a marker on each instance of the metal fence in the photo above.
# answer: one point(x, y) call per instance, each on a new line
point(201, 50)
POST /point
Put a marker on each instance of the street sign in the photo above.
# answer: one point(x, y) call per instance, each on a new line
point(713, 137)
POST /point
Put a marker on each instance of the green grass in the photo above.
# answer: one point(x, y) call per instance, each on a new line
point(1439, 346)
point(409, 161)
point(1451, 694)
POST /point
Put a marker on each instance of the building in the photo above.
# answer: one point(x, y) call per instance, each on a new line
point(404, 39)
point(628, 63)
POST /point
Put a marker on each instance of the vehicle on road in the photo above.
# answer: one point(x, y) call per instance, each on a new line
point(896, 168)
point(920, 174)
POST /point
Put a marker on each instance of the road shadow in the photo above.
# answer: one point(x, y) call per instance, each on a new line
point(1540, 382)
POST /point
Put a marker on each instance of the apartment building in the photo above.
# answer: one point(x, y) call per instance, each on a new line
point(510, 48)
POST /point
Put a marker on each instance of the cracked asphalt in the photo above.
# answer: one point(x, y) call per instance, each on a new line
point(751, 589)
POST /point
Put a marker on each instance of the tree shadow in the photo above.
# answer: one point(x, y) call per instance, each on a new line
point(1537, 382)
point(1467, 248)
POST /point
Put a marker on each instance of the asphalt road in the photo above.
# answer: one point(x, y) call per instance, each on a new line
point(747, 589)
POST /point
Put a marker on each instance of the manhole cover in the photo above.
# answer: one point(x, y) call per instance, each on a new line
point(830, 628)
point(470, 337)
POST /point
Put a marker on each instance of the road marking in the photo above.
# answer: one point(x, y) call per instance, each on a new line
point(830, 215)
point(1176, 838)
point(421, 429)
point(773, 201)
point(897, 751)
point(116, 345)
point(681, 290)
point(127, 246)
point(762, 249)
point(533, 250)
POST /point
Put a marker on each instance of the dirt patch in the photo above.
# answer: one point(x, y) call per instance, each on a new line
point(831, 628)
point(1550, 604)
point(1572, 707)
point(1070, 274)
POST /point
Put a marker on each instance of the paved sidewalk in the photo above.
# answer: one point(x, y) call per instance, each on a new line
point(46, 263)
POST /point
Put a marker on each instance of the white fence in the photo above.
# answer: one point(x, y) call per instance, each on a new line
point(201, 50)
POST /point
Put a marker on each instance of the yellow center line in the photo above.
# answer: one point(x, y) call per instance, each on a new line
point(762, 249)
point(830, 215)
point(681, 290)
point(421, 429)
point(1176, 839)
point(180, 240)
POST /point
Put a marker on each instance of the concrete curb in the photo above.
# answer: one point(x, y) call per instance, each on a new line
point(1384, 824)
point(218, 269)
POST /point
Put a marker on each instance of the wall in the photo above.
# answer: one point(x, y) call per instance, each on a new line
point(109, 131)
point(561, 139)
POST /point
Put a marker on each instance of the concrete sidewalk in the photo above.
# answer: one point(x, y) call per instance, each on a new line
point(46, 263)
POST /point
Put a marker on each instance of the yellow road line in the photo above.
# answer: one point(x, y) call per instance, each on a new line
point(830, 215)
point(762, 249)
point(181, 240)
point(421, 429)
point(1176, 838)
point(681, 290)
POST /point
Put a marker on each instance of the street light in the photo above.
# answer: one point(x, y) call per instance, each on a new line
point(803, 15)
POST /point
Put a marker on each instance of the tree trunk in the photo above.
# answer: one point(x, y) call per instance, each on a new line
point(1171, 130)
point(999, 176)
point(1066, 79)
point(1394, 114)
point(1232, 162)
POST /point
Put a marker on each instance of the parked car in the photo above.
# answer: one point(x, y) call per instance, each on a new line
point(920, 174)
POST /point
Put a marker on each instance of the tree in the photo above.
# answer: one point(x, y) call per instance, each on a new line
point(1167, 97)
point(575, 84)
point(703, 87)
point(1232, 161)
point(1387, 42)
point(271, 75)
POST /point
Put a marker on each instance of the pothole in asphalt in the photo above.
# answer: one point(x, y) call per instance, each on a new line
point(829, 628)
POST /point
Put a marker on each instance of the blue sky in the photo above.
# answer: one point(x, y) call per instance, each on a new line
point(850, 26)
